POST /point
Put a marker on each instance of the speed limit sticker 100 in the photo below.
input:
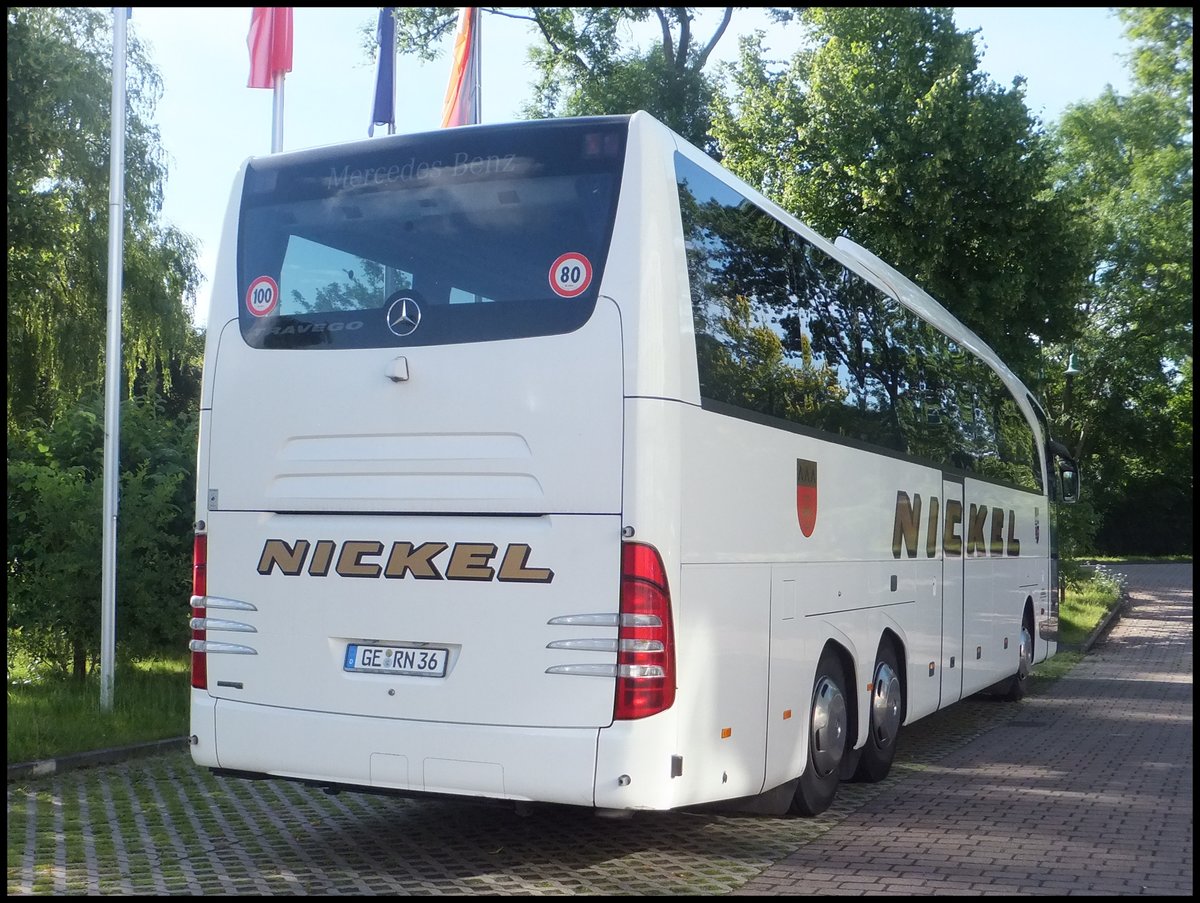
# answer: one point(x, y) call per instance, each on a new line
point(262, 296)
point(571, 274)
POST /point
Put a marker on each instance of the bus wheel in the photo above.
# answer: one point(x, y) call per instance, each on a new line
point(1018, 684)
point(887, 712)
point(828, 726)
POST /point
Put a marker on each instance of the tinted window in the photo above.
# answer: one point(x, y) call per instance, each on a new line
point(786, 331)
point(486, 233)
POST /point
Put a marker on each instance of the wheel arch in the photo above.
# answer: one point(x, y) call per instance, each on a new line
point(1041, 649)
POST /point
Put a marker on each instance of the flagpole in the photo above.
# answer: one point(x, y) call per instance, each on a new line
point(112, 367)
point(270, 45)
point(476, 62)
point(277, 115)
point(392, 51)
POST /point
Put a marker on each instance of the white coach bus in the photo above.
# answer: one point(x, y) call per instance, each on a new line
point(550, 462)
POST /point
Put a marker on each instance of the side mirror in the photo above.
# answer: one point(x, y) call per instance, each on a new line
point(1068, 474)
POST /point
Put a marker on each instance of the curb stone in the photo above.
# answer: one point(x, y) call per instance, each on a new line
point(44, 767)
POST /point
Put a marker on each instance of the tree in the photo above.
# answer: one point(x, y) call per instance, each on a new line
point(59, 106)
point(885, 129)
point(59, 129)
point(585, 67)
point(1127, 163)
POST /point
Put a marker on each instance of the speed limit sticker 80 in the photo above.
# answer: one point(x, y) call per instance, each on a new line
point(262, 296)
point(571, 274)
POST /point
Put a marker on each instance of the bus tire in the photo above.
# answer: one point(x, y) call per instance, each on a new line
point(886, 716)
point(1018, 685)
point(828, 734)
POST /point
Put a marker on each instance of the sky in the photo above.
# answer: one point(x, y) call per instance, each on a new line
point(209, 121)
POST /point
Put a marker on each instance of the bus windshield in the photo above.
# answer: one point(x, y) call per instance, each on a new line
point(463, 235)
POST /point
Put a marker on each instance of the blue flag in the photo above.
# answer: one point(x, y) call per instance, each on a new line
point(384, 112)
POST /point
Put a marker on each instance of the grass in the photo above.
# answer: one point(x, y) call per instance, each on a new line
point(48, 717)
point(55, 717)
point(1084, 606)
point(1140, 559)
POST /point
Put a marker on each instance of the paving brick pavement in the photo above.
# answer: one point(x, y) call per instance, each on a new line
point(1085, 788)
point(1087, 791)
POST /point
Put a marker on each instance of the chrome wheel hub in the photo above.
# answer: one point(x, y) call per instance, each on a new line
point(829, 722)
point(1025, 653)
point(885, 705)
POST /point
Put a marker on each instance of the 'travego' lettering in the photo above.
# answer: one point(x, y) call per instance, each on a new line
point(366, 558)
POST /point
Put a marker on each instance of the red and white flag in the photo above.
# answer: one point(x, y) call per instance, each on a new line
point(461, 106)
point(270, 43)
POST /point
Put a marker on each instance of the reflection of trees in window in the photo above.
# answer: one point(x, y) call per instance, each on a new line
point(1016, 459)
point(363, 288)
point(786, 330)
point(749, 367)
point(928, 410)
point(863, 335)
point(732, 251)
point(753, 349)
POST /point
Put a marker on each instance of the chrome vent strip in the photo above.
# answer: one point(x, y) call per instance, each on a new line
point(222, 624)
point(596, 645)
point(218, 602)
point(633, 672)
point(592, 620)
point(228, 648)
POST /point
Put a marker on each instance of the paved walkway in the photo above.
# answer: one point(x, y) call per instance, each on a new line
point(1083, 788)
point(1087, 791)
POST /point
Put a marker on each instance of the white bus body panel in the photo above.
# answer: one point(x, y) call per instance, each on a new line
point(504, 429)
point(520, 426)
point(527, 763)
point(496, 633)
point(834, 584)
point(647, 270)
point(562, 444)
point(527, 433)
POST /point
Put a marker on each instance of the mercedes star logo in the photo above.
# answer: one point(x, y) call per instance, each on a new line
point(404, 316)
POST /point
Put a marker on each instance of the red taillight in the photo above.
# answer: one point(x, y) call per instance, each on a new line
point(199, 591)
point(645, 637)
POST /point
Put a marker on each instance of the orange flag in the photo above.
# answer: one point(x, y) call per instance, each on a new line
point(461, 106)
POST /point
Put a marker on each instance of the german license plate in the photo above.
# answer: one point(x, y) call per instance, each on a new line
point(417, 661)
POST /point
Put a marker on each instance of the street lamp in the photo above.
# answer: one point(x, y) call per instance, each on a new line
point(1071, 372)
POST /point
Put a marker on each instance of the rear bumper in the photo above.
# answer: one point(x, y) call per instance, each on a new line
point(536, 764)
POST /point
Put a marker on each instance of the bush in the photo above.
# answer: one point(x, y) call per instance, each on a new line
point(1077, 526)
point(55, 535)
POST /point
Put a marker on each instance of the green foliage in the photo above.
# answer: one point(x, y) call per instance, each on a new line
point(584, 69)
point(1076, 527)
point(886, 130)
point(419, 30)
point(1127, 164)
point(585, 65)
point(640, 81)
point(59, 129)
point(55, 530)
